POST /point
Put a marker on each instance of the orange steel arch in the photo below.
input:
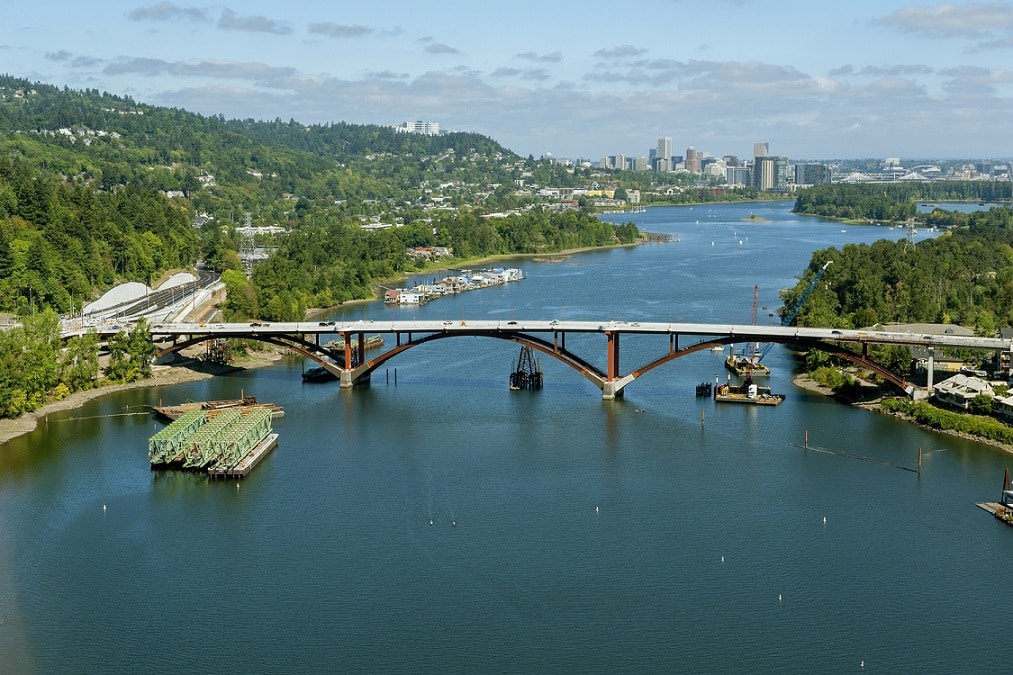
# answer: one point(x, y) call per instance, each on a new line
point(552, 349)
point(359, 373)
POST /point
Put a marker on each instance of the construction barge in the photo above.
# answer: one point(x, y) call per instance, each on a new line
point(744, 366)
point(1002, 509)
point(212, 408)
point(748, 393)
point(227, 444)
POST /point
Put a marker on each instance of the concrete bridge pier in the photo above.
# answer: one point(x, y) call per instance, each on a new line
point(347, 379)
point(609, 390)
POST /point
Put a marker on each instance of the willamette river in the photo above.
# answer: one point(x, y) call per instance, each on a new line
point(591, 536)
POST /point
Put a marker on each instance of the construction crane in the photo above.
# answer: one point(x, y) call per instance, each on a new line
point(790, 315)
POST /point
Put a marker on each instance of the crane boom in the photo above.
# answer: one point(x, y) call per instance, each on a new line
point(790, 315)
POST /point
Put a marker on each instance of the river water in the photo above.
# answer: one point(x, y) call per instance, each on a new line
point(658, 532)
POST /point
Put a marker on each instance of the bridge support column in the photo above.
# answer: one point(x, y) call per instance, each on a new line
point(345, 381)
point(609, 391)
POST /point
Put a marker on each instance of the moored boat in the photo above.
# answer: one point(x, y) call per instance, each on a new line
point(318, 374)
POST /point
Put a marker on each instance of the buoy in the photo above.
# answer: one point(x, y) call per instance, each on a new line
point(103, 507)
point(862, 664)
point(722, 558)
point(779, 597)
point(453, 523)
point(824, 520)
point(596, 509)
point(430, 521)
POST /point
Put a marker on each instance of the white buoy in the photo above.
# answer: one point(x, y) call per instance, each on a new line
point(862, 664)
point(824, 520)
point(103, 507)
point(779, 597)
point(722, 559)
point(596, 509)
point(430, 521)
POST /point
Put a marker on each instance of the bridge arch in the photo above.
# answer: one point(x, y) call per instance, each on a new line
point(360, 370)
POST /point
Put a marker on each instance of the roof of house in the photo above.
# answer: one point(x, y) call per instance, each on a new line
point(964, 386)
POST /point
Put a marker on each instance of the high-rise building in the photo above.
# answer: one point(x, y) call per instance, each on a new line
point(692, 161)
point(760, 150)
point(770, 174)
point(811, 174)
point(737, 175)
point(664, 150)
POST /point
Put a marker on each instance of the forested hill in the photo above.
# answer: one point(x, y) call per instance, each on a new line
point(97, 188)
point(964, 276)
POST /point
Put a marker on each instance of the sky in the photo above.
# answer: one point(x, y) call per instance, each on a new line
point(814, 80)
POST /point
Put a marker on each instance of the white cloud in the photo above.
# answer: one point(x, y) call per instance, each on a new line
point(168, 11)
point(989, 22)
point(336, 30)
point(229, 20)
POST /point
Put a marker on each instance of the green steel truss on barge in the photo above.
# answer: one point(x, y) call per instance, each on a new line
point(215, 444)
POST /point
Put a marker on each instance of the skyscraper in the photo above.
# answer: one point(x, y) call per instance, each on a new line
point(664, 148)
point(760, 150)
point(692, 161)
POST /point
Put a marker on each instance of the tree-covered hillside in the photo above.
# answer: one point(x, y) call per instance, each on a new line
point(964, 276)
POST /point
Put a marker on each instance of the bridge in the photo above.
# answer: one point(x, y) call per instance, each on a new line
point(350, 366)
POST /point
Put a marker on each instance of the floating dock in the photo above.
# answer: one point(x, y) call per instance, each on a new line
point(227, 444)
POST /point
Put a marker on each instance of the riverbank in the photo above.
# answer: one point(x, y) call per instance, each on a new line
point(379, 288)
point(871, 402)
point(184, 370)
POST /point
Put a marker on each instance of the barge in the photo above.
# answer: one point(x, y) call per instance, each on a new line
point(748, 393)
point(212, 408)
point(1002, 509)
point(745, 367)
point(228, 444)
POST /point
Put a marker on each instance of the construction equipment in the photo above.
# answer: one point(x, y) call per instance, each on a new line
point(789, 316)
point(527, 375)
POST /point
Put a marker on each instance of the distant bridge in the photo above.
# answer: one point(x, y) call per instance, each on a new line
point(549, 337)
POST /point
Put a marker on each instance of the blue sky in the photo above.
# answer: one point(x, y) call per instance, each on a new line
point(816, 80)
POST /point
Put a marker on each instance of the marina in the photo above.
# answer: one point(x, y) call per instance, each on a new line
point(453, 284)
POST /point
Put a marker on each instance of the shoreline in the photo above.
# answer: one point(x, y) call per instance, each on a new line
point(803, 381)
point(185, 370)
point(188, 369)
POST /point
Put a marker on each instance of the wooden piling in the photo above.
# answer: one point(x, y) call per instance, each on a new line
point(919, 461)
point(805, 447)
point(702, 412)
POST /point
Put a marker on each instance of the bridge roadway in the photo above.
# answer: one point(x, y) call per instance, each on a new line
point(549, 337)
